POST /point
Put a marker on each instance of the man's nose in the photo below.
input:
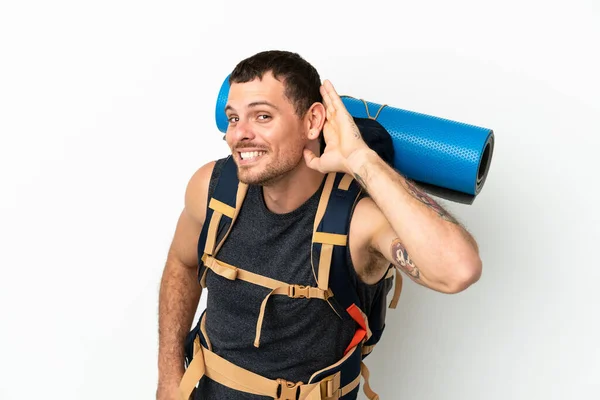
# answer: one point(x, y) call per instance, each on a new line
point(243, 130)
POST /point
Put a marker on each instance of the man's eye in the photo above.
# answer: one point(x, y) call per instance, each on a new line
point(263, 117)
point(232, 119)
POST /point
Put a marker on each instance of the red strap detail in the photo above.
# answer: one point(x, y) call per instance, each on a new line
point(361, 332)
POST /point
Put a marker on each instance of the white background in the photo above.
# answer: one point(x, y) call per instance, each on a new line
point(107, 108)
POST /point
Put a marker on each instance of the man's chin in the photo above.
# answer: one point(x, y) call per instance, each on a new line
point(249, 177)
point(260, 179)
point(264, 174)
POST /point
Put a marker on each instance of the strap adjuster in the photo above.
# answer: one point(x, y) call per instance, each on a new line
point(330, 387)
point(298, 291)
point(288, 390)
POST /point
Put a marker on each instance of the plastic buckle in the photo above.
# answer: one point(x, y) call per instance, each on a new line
point(298, 291)
point(327, 389)
point(288, 390)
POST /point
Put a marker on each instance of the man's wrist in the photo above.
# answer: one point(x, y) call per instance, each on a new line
point(358, 163)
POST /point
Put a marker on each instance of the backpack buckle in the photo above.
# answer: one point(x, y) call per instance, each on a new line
point(288, 390)
point(298, 291)
point(330, 387)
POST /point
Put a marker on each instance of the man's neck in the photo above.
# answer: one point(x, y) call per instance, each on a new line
point(293, 190)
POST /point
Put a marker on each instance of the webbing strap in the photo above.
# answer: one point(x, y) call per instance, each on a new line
point(397, 289)
point(239, 199)
point(390, 273)
point(193, 373)
point(295, 291)
point(364, 371)
point(211, 238)
point(345, 182)
point(324, 238)
point(325, 265)
point(367, 349)
point(232, 273)
point(277, 287)
point(219, 209)
point(330, 238)
point(327, 188)
point(207, 363)
point(203, 330)
point(292, 291)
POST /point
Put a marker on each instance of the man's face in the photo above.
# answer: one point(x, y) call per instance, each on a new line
point(265, 135)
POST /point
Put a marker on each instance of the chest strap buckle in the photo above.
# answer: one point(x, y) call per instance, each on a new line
point(288, 390)
point(298, 291)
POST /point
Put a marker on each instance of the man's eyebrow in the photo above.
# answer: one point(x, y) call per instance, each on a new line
point(262, 103)
point(254, 104)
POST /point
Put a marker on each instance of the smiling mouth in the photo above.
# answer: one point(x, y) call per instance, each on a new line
point(248, 156)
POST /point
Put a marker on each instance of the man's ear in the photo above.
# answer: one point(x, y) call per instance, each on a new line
point(314, 120)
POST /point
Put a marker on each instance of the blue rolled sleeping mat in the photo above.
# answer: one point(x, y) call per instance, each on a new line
point(446, 158)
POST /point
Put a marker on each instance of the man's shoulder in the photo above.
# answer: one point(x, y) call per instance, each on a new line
point(200, 187)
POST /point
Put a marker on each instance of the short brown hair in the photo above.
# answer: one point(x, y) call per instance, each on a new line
point(301, 80)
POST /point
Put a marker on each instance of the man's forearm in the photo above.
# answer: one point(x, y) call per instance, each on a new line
point(441, 248)
point(178, 301)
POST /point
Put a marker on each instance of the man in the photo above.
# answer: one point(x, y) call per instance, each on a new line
point(278, 113)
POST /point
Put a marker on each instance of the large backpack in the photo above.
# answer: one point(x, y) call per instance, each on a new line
point(334, 283)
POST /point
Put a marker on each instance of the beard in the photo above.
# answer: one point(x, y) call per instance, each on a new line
point(272, 172)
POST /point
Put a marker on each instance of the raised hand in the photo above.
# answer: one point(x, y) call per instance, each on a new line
point(342, 136)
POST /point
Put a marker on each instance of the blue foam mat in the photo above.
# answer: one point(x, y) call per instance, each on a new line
point(450, 159)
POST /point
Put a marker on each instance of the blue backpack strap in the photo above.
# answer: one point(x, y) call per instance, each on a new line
point(338, 201)
point(340, 196)
point(329, 246)
point(222, 209)
point(330, 239)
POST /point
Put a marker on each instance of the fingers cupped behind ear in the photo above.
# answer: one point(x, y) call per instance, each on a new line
point(329, 107)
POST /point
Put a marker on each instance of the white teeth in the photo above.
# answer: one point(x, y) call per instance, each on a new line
point(251, 154)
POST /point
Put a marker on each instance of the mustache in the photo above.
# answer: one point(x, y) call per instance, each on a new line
point(249, 146)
